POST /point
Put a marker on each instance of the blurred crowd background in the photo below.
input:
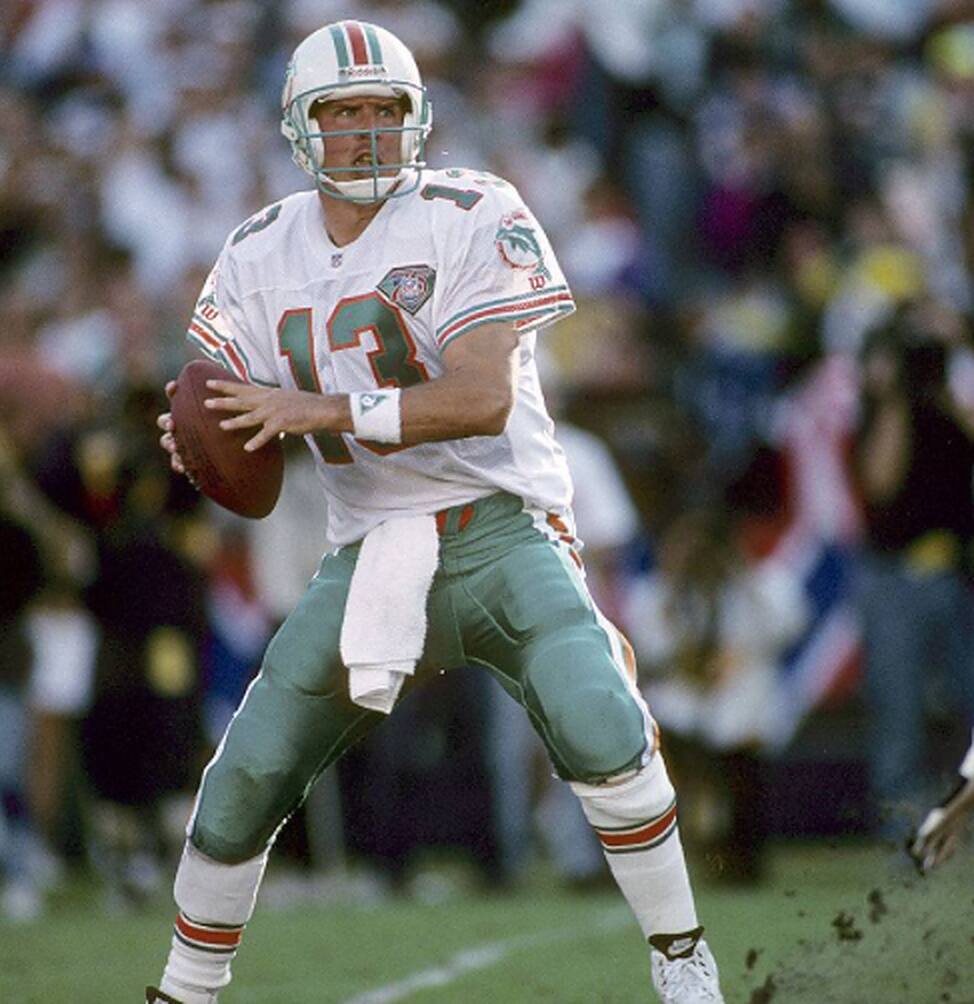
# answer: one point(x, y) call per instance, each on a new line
point(765, 211)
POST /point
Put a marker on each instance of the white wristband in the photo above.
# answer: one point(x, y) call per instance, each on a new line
point(376, 416)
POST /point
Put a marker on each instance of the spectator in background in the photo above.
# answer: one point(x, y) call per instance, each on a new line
point(46, 650)
point(141, 737)
point(914, 463)
point(139, 720)
point(709, 626)
point(22, 580)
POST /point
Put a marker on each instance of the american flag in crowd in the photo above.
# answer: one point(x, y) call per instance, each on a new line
point(817, 537)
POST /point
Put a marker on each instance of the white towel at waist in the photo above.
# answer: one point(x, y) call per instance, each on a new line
point(384, 629)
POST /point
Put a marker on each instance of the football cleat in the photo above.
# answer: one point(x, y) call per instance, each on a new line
point(687, 979)
point(156, 996)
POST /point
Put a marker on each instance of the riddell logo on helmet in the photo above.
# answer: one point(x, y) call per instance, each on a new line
point(373, 70)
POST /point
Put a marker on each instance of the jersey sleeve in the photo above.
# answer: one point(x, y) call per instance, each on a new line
point(219, 329)
point(502, 266)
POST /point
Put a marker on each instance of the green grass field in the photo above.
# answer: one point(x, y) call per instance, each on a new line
point(833, 925)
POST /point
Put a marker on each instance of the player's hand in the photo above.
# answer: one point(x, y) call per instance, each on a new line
point(938, 836)
point(273, 409)
point(167, 441)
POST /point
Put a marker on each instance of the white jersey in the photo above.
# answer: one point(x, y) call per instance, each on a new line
point(285, 307)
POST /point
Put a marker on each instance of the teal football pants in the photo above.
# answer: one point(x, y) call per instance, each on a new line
point(506, 596)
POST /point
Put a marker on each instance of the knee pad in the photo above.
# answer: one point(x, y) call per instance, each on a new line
point(233, 820)
point(232, 835)
point(591, 721)
point(598, 732)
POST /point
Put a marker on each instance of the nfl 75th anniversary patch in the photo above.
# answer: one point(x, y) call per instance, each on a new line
point(409, 286)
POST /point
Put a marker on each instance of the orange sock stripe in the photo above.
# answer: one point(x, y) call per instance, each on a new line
point(213, 936)
point(641, 836)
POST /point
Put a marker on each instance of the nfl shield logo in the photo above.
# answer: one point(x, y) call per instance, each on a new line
point(409, 286)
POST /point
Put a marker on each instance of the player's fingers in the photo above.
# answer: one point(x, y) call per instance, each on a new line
point(164, 421)
point(945, 848)
point(168, 442)
point(265, 435)
point(170, 388)
point(227, 403)
point(231, 388)
point(245, 420)
point(937, 848)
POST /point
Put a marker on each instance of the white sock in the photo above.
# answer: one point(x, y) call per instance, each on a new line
point(215, 902)
point(635, 821)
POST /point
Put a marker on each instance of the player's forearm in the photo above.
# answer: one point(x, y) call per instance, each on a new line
point(454, 407)
point(474, 397)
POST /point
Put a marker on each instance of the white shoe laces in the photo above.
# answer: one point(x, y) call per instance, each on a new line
point(692, 980)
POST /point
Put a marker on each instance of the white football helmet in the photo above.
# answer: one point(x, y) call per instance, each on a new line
point(355, 59)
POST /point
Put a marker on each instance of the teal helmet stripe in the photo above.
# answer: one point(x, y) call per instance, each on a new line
point(341, 47)
point(375, 49)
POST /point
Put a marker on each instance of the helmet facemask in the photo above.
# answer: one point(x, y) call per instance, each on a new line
point(314, 76)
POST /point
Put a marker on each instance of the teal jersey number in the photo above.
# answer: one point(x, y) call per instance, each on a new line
point(296, 341)
point(393, 362)
point(462, 198)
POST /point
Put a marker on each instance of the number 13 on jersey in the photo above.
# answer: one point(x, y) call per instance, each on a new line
point(393, 362)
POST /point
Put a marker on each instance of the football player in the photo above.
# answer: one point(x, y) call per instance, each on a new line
point(389, 316)
point(938, 836)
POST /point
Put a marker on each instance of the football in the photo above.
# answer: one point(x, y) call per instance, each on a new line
point(217, 464)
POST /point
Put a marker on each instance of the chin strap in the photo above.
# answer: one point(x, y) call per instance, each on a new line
point(365, 190)
point(370, 190)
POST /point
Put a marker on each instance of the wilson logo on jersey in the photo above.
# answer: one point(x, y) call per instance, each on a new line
point(518, 245)
point(409, 287)
point(207, 308)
